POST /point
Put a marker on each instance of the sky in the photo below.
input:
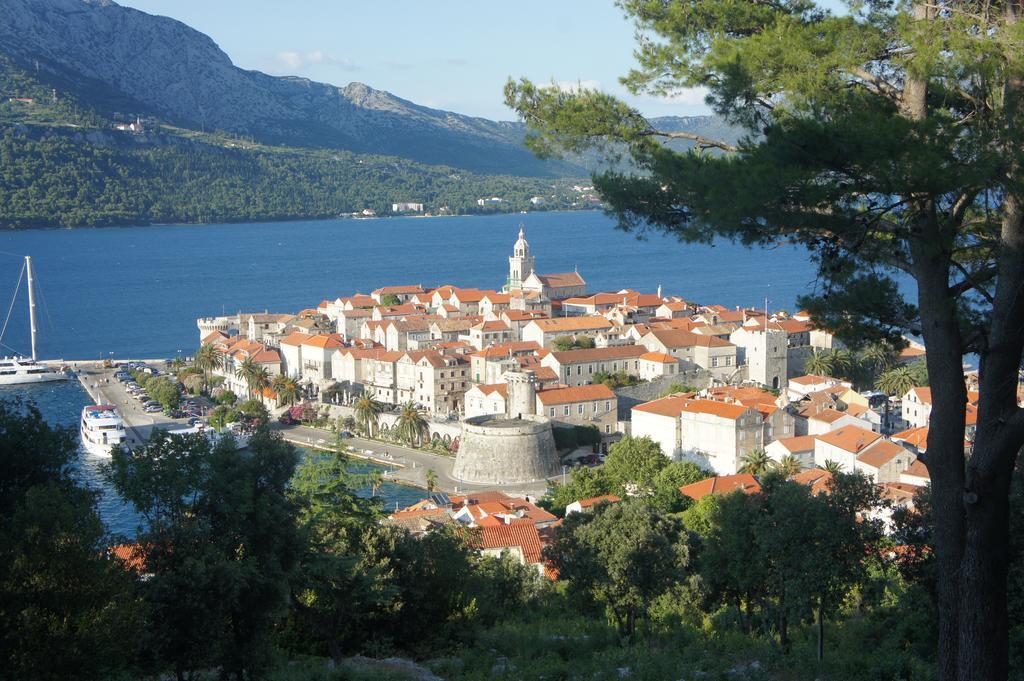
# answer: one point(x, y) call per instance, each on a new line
point(447, 54)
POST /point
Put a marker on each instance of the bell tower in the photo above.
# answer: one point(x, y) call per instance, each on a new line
point(520, 263)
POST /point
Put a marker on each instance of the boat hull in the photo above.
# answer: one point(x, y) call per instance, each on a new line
point(24, 379)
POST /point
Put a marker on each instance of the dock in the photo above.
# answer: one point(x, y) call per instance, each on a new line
point(103, 388)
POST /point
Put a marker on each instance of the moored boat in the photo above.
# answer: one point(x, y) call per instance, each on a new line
point(101, 429)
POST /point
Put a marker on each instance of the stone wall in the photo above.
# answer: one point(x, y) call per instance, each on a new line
point(506, 454)
point(631, 396)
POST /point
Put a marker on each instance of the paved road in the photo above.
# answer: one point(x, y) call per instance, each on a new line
point(412, 463)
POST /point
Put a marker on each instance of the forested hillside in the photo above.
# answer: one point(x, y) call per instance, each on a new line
point(62, 177)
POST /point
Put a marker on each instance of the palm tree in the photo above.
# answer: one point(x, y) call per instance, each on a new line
point(431, 480)
point(368, 411)
point(755, 462)
point(245, 371)
point(878, 357)
point(833, 467)
point(819, 363)
point(376, 479)
point(841, 361)
point(896, 381)
point(412, 428)
point(789, 465)
point(287, 389)
point(207, 359)
point(260, 379)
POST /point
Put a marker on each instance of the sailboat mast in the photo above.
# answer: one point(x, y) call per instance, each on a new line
point(31, 303)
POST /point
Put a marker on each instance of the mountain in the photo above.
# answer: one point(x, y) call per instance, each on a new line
point(118, 59)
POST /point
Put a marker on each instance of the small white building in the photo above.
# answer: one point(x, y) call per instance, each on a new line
point(844, 446)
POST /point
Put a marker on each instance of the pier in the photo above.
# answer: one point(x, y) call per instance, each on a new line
point(103, 388)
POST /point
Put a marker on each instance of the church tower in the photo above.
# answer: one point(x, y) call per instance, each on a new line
point(520, 263)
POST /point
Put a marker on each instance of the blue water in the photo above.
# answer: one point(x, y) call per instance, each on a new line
point(61, 404)
point(136, 292)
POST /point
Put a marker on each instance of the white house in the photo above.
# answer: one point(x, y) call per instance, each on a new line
point(844, 446)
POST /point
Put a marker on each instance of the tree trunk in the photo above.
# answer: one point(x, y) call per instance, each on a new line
point(821, 630)
point(783, 622)
point(337, 655)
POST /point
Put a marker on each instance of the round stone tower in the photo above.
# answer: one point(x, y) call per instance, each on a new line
point(510, 448)
point(522, 393)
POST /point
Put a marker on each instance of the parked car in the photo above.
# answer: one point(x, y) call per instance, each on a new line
point(152, 408)
point(287, 420)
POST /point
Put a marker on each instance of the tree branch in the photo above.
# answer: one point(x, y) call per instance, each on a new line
point(880, 84)
point(703, 142)
point(971, 281)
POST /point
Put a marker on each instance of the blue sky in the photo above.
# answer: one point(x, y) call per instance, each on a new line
point(448, 54)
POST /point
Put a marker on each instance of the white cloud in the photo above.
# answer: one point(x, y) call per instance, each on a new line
point(300, 60)
point(689, 97)
point(578, 85)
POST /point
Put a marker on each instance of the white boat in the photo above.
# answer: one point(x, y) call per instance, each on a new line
point(241, 439)
point(22, 370)
point(102, 428)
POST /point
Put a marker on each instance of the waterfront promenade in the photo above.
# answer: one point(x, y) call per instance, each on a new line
point(407, 466)
point(410, 466)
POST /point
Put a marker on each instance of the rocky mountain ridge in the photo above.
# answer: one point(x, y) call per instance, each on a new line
point(118, 59)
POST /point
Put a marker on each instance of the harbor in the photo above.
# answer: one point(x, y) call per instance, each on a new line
point(404, 465)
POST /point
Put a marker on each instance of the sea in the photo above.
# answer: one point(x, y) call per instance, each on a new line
point(135, 292)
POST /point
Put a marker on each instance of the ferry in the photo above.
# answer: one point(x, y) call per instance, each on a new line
point(102, 428)
point(21, 370)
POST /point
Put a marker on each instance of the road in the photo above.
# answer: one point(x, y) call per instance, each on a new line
point(412, 464)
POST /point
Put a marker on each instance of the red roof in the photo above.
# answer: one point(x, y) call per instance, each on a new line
point(850, 438)
point(583, 393)
point(521, 535)
point(724, 484)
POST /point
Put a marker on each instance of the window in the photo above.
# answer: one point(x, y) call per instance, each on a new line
point(607, 428)
point(714, 361)
point(608, 405)
point(579, 408)
point(551, 412)
point(579, 370)
point(567, 410)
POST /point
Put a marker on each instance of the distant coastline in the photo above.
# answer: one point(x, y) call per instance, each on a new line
point(322, 218)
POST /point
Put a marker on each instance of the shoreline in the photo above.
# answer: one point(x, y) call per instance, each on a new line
point(281, 220)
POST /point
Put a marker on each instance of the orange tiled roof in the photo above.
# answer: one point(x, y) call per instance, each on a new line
point(132, 555)
point(818, 479)
point(522, 535)
point(881, 454)
point(679, 338)
point(659, 357)
point(827, 415)
point(918, 470)
point(800, 443)
point(665, 406)
point(572, 324)
point(583, 393)
point(561, 279)
point(850, 439)
point(724, 484)
point(598, 354)
point(325, 341)
point(811, 379)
